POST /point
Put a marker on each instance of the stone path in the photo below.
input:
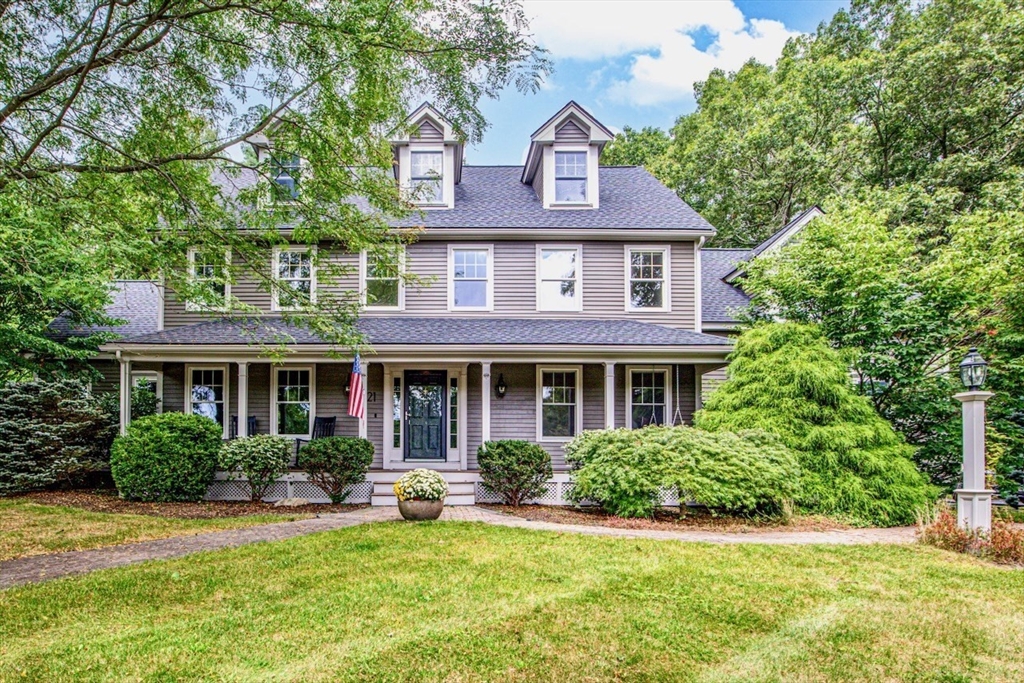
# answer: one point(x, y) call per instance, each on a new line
point(47, 567)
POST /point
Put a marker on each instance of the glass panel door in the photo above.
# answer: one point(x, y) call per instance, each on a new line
point(425, 415)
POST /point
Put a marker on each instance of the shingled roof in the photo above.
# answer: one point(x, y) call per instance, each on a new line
point(135, 301)
point(720, 299)
point(401, 330)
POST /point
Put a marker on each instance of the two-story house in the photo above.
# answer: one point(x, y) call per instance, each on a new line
point(554, 297)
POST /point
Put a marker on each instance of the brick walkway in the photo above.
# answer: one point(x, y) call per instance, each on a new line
point(47, 567)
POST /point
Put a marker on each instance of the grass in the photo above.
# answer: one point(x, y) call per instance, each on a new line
point(28, 528)
point(469, 602)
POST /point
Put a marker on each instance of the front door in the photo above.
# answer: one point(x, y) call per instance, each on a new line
point(424, 414)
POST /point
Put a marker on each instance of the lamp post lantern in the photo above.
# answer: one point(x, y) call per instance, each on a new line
point(974, 500)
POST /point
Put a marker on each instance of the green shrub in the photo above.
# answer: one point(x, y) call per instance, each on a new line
point(50, 433)
point(336, 463)
point(625, 471)
point(514, 470)
point(785, 379)
point(169, 457)
point(261, 459)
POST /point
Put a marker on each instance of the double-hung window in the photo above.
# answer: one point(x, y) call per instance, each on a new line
point(558, 278)
point(382, 280)
point(648, 391)
point(151, 381)
point(426, 177)
point(293, 407)
point(285, 170)
point(471, 278)
point(208, 271)
point(559, 411)
point(294, 279)
point(647, 271)
point(570, 177)
point(207, 394)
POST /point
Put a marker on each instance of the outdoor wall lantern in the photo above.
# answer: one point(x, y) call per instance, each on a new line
point(973, 370)
point(500, 388)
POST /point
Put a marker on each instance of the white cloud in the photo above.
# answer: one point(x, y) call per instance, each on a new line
point(656, 37)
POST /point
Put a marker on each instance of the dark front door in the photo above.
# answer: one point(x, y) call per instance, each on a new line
point(424, 414)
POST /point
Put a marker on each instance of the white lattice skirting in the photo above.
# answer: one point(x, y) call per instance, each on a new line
point(557, 494)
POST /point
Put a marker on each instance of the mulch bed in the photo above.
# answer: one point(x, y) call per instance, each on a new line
point(107, 501)
point(667, 519)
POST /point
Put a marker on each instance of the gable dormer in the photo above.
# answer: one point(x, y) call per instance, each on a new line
point(562, 164)
point(428, 160)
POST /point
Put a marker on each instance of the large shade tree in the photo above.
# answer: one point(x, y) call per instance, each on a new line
point(121, 122)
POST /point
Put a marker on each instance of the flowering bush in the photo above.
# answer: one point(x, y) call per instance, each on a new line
point(261, 459)
point(421, 484)
point(1005, 544)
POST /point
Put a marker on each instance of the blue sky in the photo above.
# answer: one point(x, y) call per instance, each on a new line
point(634, 62)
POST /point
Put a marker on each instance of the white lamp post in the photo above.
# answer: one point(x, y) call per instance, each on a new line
point(974, 500)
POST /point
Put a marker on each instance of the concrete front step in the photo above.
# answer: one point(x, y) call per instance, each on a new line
point(388, 489)
point(457, 499)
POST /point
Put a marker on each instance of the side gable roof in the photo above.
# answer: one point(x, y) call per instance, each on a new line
point(783, 235)
point(135, 301)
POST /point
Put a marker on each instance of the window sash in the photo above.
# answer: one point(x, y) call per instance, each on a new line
point(648, 270)
point(209, 269)
point(471, 277)
point(426, 169)
point(648, 397)
point(553, 286)
point(559, 403)
point(207, 393)
point(285, 172)
point(570, 165)
point(293, 401)
point(382, 288)
point(293, 275)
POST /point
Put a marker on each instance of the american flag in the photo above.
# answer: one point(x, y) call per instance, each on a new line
point(356, 408)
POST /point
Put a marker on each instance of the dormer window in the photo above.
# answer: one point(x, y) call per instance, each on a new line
point(570, 177)
point(285, 170)
point(427, 177)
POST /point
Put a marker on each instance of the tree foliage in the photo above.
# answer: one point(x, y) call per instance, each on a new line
point(120, 125)
point(785, 379)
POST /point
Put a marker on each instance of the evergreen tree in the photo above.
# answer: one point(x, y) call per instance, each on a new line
point(784, 378)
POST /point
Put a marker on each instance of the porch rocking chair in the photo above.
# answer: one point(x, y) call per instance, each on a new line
point(322, 428)
point(250, 427)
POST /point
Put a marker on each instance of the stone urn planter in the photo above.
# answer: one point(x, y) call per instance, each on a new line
point(420, 510)
point(421, 494)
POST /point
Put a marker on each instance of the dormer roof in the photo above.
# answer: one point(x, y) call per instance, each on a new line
point(572, 124)
point(428, 125)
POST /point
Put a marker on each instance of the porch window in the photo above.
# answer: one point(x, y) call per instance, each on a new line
point(559, 403)
point(558, 278)
point(208, 272)
point(293, 403)
point(648, 397)
point(453, 412)
point(383, 280)
point(471, 282)
point(426, 177)
point(648, 279)
point(570, 177)
point(396, 412)
point(295, 279)
point(207, 394)
point(152, 381)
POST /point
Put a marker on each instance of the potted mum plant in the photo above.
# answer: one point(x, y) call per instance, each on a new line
point(421, 494)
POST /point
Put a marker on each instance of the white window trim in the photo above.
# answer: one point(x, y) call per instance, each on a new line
point(430, 149)
point(227, 391)
point(452, 248)
point(364, 271)
point(195, 307)
point(578, 369)
point(275, 304)
point(667, 370)
point(666, 300)
point(591, 186)
point(579, 277)
point(303, 166)
point(158, 377)
point(273, 398)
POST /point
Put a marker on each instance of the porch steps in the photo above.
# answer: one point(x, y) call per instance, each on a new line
point(460, 492)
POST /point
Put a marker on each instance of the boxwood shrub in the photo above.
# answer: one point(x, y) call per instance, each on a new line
point(261, 459)
point(516, 471)
point(168, 457)
point(625, 471)
point(336, 463)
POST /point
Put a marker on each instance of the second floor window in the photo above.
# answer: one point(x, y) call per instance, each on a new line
point(295, 279)
point(284, 171)
point(427, 177)
point(570, 177)
point(471, 279)
point(558, 279)
point(383, 280)
point(208, 270)
point(648, 279)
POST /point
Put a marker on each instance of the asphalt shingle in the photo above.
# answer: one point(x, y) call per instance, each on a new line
point(719, 299)
point(135, 301)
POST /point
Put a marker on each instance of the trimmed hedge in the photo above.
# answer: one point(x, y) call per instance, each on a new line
point(625, 470)
point(514, 470)
point(336, 463)
point(261, 458)
point(169, 457)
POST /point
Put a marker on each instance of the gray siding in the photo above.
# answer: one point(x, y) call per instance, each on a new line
point(375, 410)
point(571, 132)
point(259, 396)
point(474, 438)
point(593, 397)
point(174, 387)
point(331, 399)
point(429, 132)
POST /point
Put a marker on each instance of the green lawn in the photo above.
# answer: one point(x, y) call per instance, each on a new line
point(28, 528)
point(468, 602)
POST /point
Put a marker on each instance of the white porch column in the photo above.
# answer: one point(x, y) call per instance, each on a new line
point(485, 402)
point(609, 395)
point(243, 400)
point(363, 422)
point(126, 394)
point(974, 500)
